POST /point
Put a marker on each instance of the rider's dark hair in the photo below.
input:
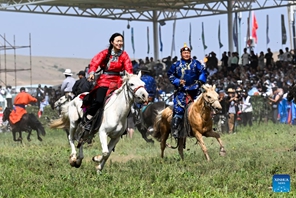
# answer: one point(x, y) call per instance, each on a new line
point(23, 89)
point(111, 46)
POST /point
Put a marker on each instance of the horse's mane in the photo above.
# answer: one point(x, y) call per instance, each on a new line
point(200, 95)
point(125, 79)
point(64, 111)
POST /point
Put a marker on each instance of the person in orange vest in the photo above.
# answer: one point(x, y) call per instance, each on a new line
point(21, 100)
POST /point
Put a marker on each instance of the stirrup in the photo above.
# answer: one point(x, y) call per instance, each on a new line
point(175, 133)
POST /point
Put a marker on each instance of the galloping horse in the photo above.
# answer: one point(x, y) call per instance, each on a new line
point(28, 122)
point(145, 118)
point(114, 120)
point(197, 122)
point(62, 105)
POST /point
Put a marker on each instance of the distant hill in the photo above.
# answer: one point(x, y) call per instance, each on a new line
point(45, 70)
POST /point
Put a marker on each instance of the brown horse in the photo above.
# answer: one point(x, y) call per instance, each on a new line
point(197, 122)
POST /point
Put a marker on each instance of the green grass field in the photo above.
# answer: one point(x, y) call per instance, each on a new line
point(135, 169)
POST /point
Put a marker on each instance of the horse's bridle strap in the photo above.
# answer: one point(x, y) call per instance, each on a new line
point(138, 88)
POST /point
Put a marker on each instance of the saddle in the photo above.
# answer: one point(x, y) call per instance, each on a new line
point(184, 127)
point(83, 136)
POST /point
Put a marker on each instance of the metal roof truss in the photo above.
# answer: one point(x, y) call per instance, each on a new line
point(138, 10)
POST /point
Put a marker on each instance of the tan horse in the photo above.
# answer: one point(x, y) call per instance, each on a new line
point(199, 122)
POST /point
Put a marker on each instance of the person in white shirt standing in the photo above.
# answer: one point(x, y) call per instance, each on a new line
point(2, 99)
point(246, 58)
point(8, 96)
point(247, 109)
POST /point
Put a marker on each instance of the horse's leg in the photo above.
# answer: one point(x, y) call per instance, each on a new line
point(80, 157)
point(38, 135)
point(104, 142)
point(102, 159)
point(201, 143)
point(181, 147)
point(165, 134)
point(29, 134)
point(217, 136)
point(73, 156)
point(14, 136)
point(67, 132)
point(144, 135)
point(20, 137)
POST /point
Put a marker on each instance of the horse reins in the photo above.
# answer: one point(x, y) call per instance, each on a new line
point(61, 104)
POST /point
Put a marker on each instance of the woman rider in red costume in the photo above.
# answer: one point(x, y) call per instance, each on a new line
point(113, 61)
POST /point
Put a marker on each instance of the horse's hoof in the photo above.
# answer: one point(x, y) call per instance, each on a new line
point(77, 165)
point(99, 172)
point(150, 141)
point(40, 139)
point(73, 163)
point(29, 140)
point(222, 153)
point(97, 158)
point(105, 154)
point(99, 169)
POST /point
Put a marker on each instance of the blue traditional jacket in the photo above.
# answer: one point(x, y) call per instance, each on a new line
point(150, 84)
point(191, 71)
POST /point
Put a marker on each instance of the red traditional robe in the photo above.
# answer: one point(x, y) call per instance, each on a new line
point(21, 99)
point(123, 63)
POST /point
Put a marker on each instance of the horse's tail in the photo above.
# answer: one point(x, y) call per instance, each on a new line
point(35, 124)
point(162, 123)
point(61, 123)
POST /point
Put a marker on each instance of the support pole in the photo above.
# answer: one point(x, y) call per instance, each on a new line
point(30, 60)
point(229, 19)
point(14, 57)
point(155, 36)
point(290, 25)
point(4, 39)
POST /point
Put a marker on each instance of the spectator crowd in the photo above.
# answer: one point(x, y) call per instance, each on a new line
point(240, 80)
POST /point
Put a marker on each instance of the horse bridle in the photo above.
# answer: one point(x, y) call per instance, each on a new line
point(210, 104)
point(61, 104)
point(135, 90)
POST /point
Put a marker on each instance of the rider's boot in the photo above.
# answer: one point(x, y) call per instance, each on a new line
point(175, 126)
point(87, 122)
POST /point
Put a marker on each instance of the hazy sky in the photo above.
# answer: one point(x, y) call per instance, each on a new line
point(62, 36)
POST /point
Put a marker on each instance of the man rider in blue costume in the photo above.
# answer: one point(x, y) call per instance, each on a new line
point(187, 75)
point(150, 83)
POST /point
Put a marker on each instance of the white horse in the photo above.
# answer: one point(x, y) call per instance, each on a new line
point(114, 120)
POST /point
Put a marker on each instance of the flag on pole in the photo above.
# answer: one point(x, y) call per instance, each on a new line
point(123, 42)
point(160, 38)
point(148, 43)
point(267, 29)
point(203, 37)
point(133, 43)
point(190, 37)
point(219, 39)
point(234, 31)
point(284, 33)
point(254, 28)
